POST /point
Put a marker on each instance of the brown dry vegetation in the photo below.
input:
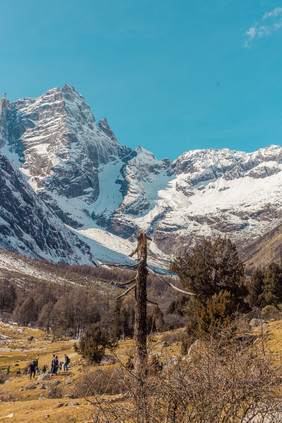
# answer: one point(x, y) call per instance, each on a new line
point(34, 405)
point(99, 278)
point(88, 391)
point(265, 250)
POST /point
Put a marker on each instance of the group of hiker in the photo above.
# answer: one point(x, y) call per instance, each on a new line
point(55, 366)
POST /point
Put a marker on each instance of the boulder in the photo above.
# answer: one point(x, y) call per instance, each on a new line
point(59, 404)
point(44, 376)
point(33, 386)
point(55, 382)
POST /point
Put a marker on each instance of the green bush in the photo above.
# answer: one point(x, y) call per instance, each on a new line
point(94, 343)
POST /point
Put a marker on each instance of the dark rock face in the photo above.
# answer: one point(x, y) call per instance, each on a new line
point(103, 124)
point(4, 105)
point(60, 145)
point(29, 227)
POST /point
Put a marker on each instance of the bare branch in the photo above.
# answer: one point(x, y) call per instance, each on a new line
point(170, 284)
point(127, 292)
point(152, 302)
point(133, 266)
point(133, 252)
point(128, 282)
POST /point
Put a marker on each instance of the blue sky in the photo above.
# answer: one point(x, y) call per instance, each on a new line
point(169, 75)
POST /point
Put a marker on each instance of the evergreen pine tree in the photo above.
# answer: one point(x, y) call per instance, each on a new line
point(272, 287)
point(94, 343)
point(214, 273)
point(255, 288)
point(212, 267)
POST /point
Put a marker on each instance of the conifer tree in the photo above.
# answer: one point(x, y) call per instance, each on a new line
point(94, 343)
point(8, 296)
point(214, 273)
point(213, 266)
point(272, 287)
point(255, 288)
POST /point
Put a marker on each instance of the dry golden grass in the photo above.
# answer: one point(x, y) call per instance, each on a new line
point(37, 411)
point(271, 340)
point(33, 405)
point(22, 405)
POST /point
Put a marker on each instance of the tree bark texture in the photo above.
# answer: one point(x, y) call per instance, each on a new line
point(140, 329)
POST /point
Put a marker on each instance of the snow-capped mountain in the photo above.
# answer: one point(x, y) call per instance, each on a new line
point(106, 191)
point(29, 227)
point(51, 138)
point(223, 192)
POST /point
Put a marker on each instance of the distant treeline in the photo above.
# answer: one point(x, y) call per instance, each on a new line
point(66, 310)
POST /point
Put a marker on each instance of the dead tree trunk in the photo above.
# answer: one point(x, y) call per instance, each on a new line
point(140, 329)
point(140, 326)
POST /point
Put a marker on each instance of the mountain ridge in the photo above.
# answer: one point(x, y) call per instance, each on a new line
point(94, 184)
point(29, 227)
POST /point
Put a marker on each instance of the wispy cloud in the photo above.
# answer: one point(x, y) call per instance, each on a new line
point(269, 23)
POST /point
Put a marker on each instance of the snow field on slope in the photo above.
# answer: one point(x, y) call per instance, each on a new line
point(217, 199)
point(110, 248)
point(217, 196)
point(15, 264)
point(110, 196)
point(236, 193)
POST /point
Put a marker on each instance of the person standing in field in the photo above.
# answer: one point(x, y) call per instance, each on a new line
point(53, 364)
point(32, 369)
point(56, 365)
point(67, 361)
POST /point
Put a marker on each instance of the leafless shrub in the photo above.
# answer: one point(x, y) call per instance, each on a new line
point(55, 392)
point(111, 381)
point(223, 380)
point(173, 337)
point(154, 366)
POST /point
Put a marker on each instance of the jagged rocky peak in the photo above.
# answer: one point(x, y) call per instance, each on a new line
point(4, 104)
point(104, 125)
point(69, 91)
point(147, 158)
point(202, 165)
point(59, 146)
point(272, 152)
point(58, 125)
point(77, 108)
point(143, 166)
